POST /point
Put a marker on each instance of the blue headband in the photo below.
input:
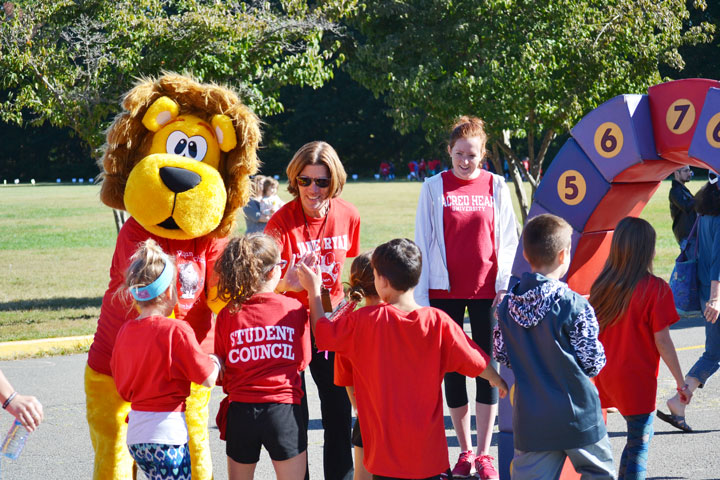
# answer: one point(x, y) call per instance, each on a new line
point(161, 283)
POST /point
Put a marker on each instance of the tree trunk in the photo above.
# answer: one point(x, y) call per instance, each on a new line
point(121, 217)
point(515, 171)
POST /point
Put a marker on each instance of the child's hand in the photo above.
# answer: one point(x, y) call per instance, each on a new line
point(291, 281)
point(501, 386)
point(684, 394)
point(309, 278)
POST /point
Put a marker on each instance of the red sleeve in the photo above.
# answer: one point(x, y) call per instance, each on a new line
point(304, 338)
point(663, 313)
point(354, 236)
point(188, 359)
point(343, 371)
point(459, 353)
point(335, 336)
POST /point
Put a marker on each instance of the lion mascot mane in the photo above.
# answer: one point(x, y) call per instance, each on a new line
point(178, 160)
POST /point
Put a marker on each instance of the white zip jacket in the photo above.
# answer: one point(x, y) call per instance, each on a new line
point(430, 236)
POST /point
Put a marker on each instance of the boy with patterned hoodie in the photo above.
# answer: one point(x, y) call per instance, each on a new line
point(548, 335)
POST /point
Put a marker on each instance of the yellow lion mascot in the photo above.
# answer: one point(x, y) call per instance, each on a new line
point(177, 160)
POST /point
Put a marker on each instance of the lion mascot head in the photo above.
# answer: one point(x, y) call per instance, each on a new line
point(179, 157)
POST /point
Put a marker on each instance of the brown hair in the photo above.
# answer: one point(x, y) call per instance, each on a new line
point(243, 267)
point(466, 127)
point(707, 200)
point(362, 280)
point(317, 153)
point(267, 183)
point(631, 255)
point(400, 262)
point(146, 265)
point(256, 187)
point(544, 237)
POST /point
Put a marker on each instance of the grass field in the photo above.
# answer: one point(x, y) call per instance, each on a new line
point(56, 243)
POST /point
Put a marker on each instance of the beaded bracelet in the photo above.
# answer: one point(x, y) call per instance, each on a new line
point(9, 399)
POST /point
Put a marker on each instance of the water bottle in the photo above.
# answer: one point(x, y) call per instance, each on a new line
point(14, 440)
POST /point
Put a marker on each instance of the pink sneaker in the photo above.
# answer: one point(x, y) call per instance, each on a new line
point(464, 465)
point(484, 467)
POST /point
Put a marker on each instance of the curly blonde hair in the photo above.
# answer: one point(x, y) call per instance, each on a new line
point(243, 267)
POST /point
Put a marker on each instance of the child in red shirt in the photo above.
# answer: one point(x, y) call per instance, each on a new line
point(168, 355)
point(264, 339)
point(635, 310)
point(362, 288)
point(399, 352)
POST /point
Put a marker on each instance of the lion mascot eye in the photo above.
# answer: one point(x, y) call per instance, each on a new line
point(194, 147)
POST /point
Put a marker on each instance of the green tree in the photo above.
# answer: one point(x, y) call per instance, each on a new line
point(67, 62)
point(530, 68)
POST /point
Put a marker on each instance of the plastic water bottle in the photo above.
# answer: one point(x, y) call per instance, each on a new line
point(14, 440)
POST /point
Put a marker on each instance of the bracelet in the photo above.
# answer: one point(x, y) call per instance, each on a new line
point(216, 361)
point(683, 388)
point(9, 399)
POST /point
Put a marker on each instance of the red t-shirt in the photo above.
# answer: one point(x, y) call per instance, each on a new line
point(194, 259)
point(265, 345)
point(469, 229)
point(154, 361)
point(629, 379)
point(398, 362)
point(334, 239)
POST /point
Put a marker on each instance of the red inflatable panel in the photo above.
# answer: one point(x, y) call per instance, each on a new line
point(675, 108)
point(588, 260)
point(648, 171)
point(622, 200)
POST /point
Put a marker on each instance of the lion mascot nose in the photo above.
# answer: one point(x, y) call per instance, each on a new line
point(179, 180)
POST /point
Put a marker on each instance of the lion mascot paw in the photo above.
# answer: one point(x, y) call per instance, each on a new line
point(178, 160)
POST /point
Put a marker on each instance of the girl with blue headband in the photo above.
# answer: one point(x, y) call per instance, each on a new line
point(153, 362)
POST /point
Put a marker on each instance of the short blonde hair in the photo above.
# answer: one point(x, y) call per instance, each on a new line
point(317, 153)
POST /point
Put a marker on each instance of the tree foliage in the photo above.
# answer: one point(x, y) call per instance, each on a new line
point(67, 62)
point(530, 68)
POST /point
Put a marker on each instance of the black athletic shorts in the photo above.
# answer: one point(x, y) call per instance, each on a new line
point(356, 436)
point(279, 427)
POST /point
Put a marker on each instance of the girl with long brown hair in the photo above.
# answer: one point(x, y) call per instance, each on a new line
point(264, 340)
point(635, 310)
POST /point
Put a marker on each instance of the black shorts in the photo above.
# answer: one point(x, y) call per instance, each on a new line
point(279, 427)
point(356, 436)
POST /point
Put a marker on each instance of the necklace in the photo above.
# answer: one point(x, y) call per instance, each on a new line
point(322, 227)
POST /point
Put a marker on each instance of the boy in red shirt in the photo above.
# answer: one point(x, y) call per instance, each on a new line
point(399, 352)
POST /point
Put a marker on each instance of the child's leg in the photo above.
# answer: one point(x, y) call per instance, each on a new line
point(240, 471)
point(633, 463)
point(361, 472)
point(162, 462)
point(594, 461)
point(292, 468)
point(537, 465)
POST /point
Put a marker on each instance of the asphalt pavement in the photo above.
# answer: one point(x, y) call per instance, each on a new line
point(61, 448)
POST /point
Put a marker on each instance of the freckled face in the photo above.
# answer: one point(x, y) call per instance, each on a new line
point(467, 155)
point(313, 198)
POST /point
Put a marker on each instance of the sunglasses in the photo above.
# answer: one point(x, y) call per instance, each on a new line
point(306, 181)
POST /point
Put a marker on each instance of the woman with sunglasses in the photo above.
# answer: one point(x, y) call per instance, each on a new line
point(320, 226)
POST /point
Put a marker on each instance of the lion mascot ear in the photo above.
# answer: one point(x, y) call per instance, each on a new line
point(224, 130)
point(160, 112)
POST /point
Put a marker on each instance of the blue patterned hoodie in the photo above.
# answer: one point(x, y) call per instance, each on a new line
point(548, 335)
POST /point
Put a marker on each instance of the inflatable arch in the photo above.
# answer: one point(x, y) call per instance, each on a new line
point(610, 167)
